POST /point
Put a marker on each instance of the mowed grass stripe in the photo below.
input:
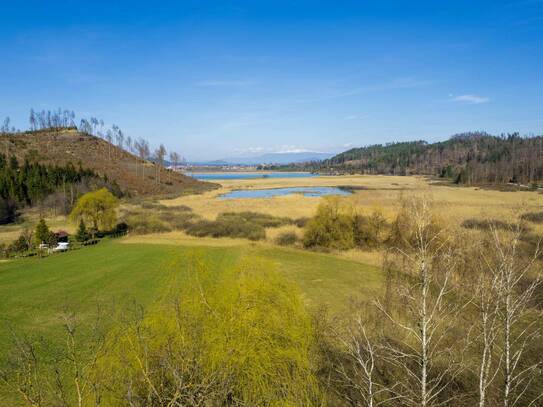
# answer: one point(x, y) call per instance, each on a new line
point(33, 292)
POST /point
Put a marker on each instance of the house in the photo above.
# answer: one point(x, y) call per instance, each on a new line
point(62, 236)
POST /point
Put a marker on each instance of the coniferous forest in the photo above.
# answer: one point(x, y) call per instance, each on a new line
point(30, 183)
point(467, 158)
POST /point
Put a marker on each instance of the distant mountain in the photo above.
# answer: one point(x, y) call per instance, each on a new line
point(271, 158)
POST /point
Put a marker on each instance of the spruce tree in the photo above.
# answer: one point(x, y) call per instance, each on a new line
point(82, 234)
point(42, 232)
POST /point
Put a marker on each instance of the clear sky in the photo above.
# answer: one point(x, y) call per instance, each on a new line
point(215, 79)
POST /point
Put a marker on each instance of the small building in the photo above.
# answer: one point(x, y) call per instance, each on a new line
point(62, 236)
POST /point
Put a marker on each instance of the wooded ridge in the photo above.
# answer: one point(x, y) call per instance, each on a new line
point(467, 158)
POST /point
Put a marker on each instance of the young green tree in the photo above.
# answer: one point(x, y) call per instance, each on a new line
point(82, 235)
point(42, 233)
point(220, 338)
point(97, 208)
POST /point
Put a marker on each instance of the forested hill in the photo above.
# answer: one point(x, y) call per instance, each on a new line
point(468, 158)
point(68, 146)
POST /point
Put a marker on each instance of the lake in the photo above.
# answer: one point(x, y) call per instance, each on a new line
point(270, 193)
point(217, 176)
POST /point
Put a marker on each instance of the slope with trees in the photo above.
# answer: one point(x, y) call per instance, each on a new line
point(55, 138)
point(468, 158)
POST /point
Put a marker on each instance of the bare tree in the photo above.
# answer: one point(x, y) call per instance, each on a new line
point(32, 120)
point(5, 126)
point(120, 139)
point(516, 283)
point(160, 153)
point(109, 139)
point(359, 373)
point(143, 152)
point(426, 268)
point(487, 327)
point(129, 145)
point(94, 123)
point(174, 160)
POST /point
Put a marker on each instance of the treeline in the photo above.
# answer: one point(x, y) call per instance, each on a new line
point(45, 120)
point(467, 158)
point(32, 183)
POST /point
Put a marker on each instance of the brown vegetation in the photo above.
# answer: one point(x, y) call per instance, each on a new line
point(134, 175)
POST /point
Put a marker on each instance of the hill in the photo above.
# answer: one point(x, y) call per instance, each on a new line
point(68, 145)
point(467, 158)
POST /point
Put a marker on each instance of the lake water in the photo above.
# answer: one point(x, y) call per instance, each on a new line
point(217, 176)
point(270, 193)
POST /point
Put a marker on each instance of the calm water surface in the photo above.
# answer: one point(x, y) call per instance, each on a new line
point(217, 176)
point(270, 193)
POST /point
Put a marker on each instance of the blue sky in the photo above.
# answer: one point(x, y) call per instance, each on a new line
point(228, 78)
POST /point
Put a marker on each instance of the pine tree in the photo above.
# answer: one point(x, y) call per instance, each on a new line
point(42, 232)
point(82, 235)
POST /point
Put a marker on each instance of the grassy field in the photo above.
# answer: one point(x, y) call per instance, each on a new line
point(35, 292)
point(118, 276)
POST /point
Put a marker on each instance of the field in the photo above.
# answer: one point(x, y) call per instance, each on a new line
point(376, 192)
point(118, 274)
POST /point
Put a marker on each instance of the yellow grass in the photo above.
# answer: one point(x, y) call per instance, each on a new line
point(8, 233)
point(455, 204)
point(182, 239)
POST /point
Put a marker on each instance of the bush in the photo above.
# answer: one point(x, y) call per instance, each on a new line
point(486, 224)
point(163, 208)
point(405, 231)
point(369, 231)
point(156, 218)
point(144, 223)
point(534, 217)
point(261, 219)
point(22, 244)
point(301, 222)
point(227, 227)
point(286, 239)
point(246, 225)
point(333, 228)
point(330, 228)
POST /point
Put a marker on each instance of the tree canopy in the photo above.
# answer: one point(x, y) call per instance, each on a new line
point(96, 208)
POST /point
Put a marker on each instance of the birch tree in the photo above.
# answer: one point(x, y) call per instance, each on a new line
point(420, 344)
point(517, 281)
point(364, 360)
point(487, 327)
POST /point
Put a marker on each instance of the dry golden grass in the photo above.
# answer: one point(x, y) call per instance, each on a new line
point(8, 233)
point(182, 239)
point(454, 204)
point(273, 233)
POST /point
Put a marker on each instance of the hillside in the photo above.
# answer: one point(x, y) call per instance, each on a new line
point(63, 146)
point(467, 158)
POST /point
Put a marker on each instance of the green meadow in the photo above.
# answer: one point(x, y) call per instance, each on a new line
point(116, 277)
